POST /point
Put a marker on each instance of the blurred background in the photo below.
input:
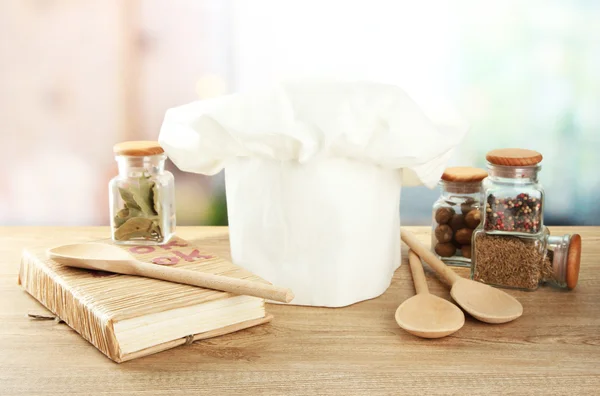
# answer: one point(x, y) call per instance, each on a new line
point(78, 76)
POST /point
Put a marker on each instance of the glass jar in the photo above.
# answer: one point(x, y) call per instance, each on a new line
point(511, 246)
point(456, 213)
point(514, 199)
point(524, 263)
point(142, 196)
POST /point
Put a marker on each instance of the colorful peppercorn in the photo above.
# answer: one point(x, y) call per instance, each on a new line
point(521, 214)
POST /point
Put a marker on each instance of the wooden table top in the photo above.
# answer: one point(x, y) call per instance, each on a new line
point(554, 348)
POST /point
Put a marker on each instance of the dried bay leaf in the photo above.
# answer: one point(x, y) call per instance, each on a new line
point(140, 218)
point(135, 227)
point(119, 218)
point(156, 230)
point(142, 195)
point(128, 198)
point(156, 199)
point(126, 213)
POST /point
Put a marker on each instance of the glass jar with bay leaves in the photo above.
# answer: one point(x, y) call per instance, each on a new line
point(142, 196)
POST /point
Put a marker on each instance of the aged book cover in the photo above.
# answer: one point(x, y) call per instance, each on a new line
point(127, 317)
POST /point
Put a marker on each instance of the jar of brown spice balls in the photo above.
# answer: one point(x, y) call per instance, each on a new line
point(511, 247)
point(456, 214)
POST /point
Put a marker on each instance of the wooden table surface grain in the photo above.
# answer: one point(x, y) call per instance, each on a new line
point(553, 349)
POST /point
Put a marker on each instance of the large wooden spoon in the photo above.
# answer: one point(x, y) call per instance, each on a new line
point(104, 257)
point(424, 314)
point(483, 302)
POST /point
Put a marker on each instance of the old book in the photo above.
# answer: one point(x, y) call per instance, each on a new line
point(127, 317)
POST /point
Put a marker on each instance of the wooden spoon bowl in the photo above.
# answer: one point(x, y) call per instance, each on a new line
point(484, 302)
point(429, 316)
point(426, 315)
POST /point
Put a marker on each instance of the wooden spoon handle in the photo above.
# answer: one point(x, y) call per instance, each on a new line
point(211, 281)
point(438, 265)
point(418, 275)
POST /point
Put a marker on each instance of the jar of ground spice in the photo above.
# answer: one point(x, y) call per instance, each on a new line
point(456, 214)
point(512, 247)
point(524, 263)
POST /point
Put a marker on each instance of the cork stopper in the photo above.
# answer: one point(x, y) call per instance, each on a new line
point(514, 157)
point(464, 174)
point(463, 179)
point(573, 261)
point(139, 148)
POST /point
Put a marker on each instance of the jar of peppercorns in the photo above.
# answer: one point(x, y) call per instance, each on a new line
point(456, 214)
point(513, 196)
point(512, 247)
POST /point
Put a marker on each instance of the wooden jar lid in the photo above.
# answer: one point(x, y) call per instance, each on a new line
point(514, 157)
point(464, 174)
point(573, 261)
point(139, 148)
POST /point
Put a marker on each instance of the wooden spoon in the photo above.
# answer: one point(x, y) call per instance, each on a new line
point(483, 302)
point(424, 314)
point(104, 257)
